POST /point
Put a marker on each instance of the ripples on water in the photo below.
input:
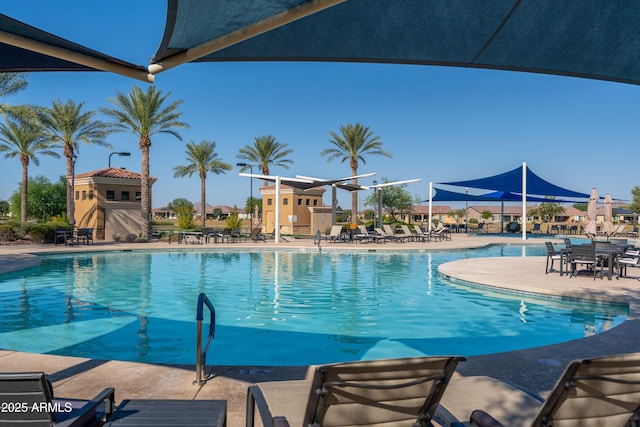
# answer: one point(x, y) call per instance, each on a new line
point(286, 307)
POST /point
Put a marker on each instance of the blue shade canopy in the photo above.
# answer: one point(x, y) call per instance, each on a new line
point(589, 38)
point(26, 48)
point(511, 182)
point(442, 195)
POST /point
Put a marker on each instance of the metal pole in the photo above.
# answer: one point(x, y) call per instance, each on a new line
point(466, 211)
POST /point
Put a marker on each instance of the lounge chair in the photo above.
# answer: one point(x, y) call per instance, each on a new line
point(336, 234)
point(398, 392)
point(365, 236)
point(422, 235)
point(552, 256)
point(630, 258)
point(256, 235)
point(399, 238)
point(33, 394)
point(441, 233)
point(591, 393)
point(384, 234)
point(481, 228)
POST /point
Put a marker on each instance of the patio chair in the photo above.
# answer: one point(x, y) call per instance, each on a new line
point(33, 394)
point(552, 256)
point(412, 237)
point(398, 392)
point(585, 255)
point(630, 258)
point(590, 393)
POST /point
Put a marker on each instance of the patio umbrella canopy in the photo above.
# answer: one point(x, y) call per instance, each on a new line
point(591, 230)
point(608, 216)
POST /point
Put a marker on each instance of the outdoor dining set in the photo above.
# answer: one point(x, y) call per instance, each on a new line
point(611, 258)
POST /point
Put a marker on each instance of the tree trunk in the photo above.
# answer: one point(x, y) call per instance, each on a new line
point(23, 195)
point(68, 154)
point(145, 196)
point(354, 197)
point(203, 202)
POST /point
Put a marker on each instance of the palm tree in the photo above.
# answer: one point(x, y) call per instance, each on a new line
point(355, 142)
point(10, 84)
point(65, 125)
point(24, 139)
point(143, 114)
point(202, 158)
point(265, 152)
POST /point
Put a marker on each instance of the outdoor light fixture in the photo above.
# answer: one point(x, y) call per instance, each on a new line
point(119, 153)
point(247, 165)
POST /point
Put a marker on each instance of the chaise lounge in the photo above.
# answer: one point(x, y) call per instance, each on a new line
point(590, 393)
point(398, 392)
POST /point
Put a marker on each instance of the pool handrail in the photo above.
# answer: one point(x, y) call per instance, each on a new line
point(201, 355)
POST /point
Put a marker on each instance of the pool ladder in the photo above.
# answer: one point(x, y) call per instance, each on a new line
point(201, 356)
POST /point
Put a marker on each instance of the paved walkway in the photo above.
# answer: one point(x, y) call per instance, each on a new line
point(535, 369)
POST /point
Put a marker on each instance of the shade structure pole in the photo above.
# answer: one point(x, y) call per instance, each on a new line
point(430, 202)
point(524, 201)
point(277, 230)
point(75, 57)
point(290, 15)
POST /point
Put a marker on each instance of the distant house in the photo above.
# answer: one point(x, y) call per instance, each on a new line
point(420, 214)
point(108, 200)
point(507, 214)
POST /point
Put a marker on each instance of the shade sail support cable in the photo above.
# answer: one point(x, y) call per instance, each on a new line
point(242, 34)
point(75, 57)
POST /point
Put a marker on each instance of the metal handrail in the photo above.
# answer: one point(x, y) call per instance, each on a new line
point(201, 356)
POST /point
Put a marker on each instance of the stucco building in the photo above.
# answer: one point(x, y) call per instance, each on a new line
point(108, 200)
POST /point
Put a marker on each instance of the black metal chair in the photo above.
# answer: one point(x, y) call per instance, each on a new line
point(34, 405)
point(585, 255)
point(552, 256)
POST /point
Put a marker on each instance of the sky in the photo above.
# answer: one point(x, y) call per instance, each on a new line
point(441, 124)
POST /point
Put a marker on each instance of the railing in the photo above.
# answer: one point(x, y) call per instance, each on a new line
point(201, 356)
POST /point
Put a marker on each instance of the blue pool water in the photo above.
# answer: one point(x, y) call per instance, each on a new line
point(277, 307)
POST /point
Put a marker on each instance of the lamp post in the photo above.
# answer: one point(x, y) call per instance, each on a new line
point(246, 165)
point(119, 153)
point(466, 211)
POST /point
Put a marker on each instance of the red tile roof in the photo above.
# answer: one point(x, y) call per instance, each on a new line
point(113, 173)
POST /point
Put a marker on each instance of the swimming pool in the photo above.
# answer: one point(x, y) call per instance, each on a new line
point(277, 307)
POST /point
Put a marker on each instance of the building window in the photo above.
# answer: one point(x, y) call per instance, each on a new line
point(307, 202)
point(124, 195)
point(138, 196)
point(299, 202)
point(269, 202)
point(315, 202)
point(111, 195)
point(285, 201)
point(77, 195)
point(84, 195)
point(90, 194)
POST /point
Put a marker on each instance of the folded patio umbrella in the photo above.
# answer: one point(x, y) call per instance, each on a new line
point(608, 229)
point(591, 230)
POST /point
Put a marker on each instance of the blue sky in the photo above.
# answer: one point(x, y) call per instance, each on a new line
point(440, 123)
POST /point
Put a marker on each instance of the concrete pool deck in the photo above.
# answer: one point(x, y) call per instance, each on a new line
point(536, 369)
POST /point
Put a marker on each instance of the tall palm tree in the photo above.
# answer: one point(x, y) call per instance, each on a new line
point(355, 142)
point(24, 139)
point(144, 114)
point(66, 125)
point(10, 84)
point(265, 152)
point(202, 158)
